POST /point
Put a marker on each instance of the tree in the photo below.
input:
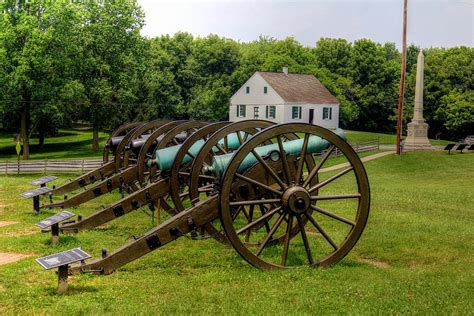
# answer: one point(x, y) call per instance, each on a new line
point(35, 51)
point(109, 63)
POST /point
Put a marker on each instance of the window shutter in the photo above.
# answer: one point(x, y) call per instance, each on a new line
point(237, 107)
point(245, 110)
point(299, 114)
point(330, 113)
point(266, 111)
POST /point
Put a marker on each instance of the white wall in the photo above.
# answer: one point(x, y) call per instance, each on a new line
point(256, 97)
point(318, 114)
point(249, 115)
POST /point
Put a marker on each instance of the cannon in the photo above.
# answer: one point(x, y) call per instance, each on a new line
point(274, 199)
point(133, 151)
point(170, 161)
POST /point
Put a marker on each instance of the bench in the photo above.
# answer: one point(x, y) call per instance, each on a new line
point(449, 147)
point(461, 147)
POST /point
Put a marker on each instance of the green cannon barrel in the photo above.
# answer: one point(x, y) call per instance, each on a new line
point(166, 157)
point(315, 145)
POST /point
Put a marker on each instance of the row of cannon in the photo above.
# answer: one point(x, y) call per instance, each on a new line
point(270, 191)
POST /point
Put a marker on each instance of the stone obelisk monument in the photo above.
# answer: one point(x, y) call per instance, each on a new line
point(417, 137)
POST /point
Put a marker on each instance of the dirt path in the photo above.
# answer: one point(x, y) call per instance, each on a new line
point(368, 158)
point(9, 257)
point(7, 223)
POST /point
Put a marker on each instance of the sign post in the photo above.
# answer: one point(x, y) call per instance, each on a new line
point(18, 151)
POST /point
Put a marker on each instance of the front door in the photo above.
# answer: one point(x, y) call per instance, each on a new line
point(311, 116)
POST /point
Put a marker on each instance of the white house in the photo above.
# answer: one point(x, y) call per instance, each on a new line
point(283, 97)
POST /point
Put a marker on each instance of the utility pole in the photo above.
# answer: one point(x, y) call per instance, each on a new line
point(402, 79)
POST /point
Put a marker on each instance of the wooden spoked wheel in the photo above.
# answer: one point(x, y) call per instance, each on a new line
point(120, 131)
point(181, 170)
point(222, 142)
point(147, 152)
point(330, 214)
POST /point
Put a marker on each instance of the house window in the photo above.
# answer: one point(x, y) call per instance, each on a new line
point(255, 111)
point(327, 113)
point(296, 112)
point(271, 111)
point(240, 110)
point(247, 89)
point(265, 90)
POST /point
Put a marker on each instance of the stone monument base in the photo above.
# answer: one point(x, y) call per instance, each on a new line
point(417, 138)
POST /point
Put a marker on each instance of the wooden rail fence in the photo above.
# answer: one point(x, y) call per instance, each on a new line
point(81, 166)
point(49, 166)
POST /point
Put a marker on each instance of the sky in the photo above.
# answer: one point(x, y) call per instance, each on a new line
point(430, 23)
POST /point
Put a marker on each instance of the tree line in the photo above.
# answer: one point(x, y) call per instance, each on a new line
point(63, 61)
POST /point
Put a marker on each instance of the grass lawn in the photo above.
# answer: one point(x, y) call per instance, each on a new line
point(69, 144)
point(385, 139)
point(415, 256)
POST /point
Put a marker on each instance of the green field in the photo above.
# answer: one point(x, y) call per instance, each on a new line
point(69, 144)
point(415, 256)
point(384, 139)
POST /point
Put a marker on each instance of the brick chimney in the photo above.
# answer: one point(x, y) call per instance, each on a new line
point(285, 70)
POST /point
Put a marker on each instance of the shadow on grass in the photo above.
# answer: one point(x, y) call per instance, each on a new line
point(64, 240)
point(72, 290)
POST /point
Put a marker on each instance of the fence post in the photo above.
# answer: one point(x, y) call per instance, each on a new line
point(378, 143)
point(45, 166)
point(6, 167)
point(82, 167)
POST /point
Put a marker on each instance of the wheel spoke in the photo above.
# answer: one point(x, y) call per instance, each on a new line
point(284, 160)
point(224, 151)
point(226, 142)
point(263, 211)
point(329, 180)
point(335, 197)
point(321, 230)
point(241, 141)
point(318, 166)
point(258, 220)
point(334, 216)
point(269, 170)
point(203, 176)
point(206, 188)
point(236, 213)
point(286, 245)
point(299, 172)
point(252, 202)
point(247, 237)
point(270, 234)
point(305, 239)
point(264, 186)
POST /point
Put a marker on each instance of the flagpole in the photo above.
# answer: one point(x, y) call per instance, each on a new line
point(402, 78)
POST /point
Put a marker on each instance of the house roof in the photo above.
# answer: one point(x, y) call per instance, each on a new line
point(299, 88)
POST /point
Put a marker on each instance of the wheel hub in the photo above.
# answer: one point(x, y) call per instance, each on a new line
point(296, 199)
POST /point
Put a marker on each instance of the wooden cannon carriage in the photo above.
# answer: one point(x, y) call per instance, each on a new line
point(275, 199)
point(129, 151)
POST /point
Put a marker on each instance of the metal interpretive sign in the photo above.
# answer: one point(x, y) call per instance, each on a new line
point(63, 258)
point(54, 219)
point(36, 192)
point(43, 180)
